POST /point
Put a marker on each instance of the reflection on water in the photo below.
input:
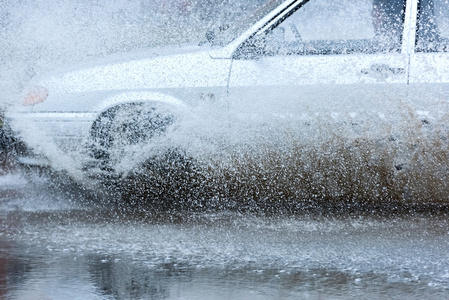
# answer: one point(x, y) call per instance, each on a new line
point(58, 248)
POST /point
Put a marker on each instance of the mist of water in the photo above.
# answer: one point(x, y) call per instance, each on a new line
point(308, 162)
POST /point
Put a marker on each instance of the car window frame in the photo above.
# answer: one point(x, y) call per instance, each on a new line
point(245, 49)
point(270, 24)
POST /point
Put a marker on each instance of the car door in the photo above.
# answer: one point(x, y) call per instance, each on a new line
point(323, 59)
point(429, 63)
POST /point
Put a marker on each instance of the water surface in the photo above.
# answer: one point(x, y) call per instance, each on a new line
point(55, 245)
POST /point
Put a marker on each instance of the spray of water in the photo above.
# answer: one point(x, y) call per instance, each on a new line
point(214, 160)
point(327, 163)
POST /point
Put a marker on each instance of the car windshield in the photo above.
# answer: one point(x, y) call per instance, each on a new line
point(233, 24)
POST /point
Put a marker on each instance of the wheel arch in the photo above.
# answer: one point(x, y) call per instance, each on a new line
point(137, 97)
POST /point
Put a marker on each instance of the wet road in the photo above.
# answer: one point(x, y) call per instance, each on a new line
point(60, 245)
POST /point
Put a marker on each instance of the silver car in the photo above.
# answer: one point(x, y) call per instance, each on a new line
point(285, 66)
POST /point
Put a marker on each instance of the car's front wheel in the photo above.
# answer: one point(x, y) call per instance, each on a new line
point(121, 131)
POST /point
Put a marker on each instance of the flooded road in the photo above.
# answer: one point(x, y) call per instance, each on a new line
point(60, 245)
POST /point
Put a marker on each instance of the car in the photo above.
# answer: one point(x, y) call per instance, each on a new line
point(310, 69)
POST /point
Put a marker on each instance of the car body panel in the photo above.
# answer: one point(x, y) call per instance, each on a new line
point(313, 85)
point(429, 82)
point(429, 68)
point(78, 97)
point(185, 71)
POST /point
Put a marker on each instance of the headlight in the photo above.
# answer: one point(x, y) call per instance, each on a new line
point(35, 95)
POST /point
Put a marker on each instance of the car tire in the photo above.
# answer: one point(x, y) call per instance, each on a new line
point(124, 126)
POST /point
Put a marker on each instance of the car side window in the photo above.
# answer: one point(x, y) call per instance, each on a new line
point(323, 27)
point(433, 26)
